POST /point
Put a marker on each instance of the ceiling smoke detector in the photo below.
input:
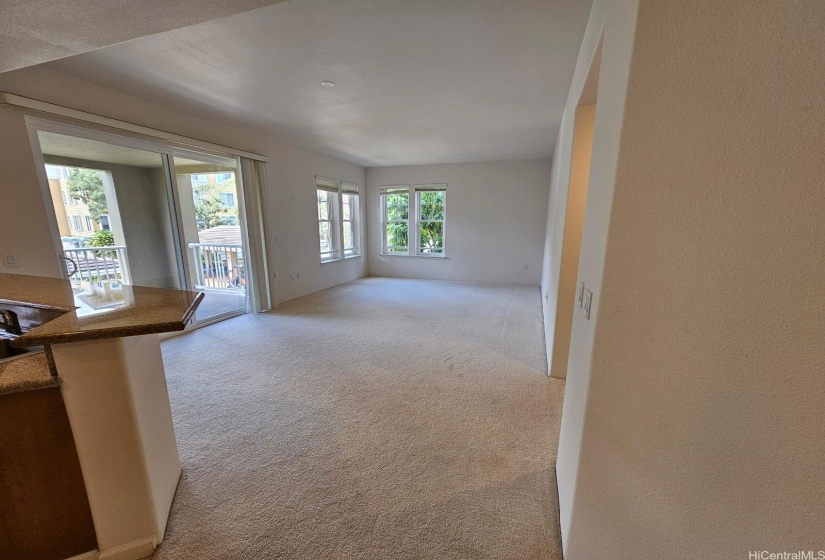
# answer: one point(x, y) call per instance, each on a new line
point(328, 84)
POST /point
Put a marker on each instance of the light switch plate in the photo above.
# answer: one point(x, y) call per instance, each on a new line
point(581, 294)
point(10, 260)
point(588, 302)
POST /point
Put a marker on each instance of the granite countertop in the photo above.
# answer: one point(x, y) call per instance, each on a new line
point(25, 373)
point(128, 311)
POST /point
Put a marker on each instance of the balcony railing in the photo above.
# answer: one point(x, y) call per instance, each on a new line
point(221, 266)
point(97, 266)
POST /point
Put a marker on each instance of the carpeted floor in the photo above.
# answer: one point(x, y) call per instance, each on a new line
point(383, 419)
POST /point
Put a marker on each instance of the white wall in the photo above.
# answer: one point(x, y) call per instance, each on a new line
point(495, 221)
point(693, 422)
point(291, 178)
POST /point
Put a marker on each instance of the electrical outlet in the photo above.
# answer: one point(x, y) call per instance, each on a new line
point(292, 277)
point(298, 276)
point(526, 266)
point(588, 302)
point(546, 296)
point(580, 299)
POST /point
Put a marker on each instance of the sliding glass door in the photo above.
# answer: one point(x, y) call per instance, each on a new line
point(210, 218)
point(127, 211)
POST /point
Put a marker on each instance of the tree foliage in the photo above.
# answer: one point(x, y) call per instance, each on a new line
point(208, 211)
point(431, 216)
point(102, 238)
point(398, 208)
point(86, 185)
point(209, 208)
point(432, 231)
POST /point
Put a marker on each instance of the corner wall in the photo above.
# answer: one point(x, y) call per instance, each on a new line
point(495, 220)
point(291, 174)
point(693, 420)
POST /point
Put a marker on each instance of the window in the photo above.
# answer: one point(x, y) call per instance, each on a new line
point(76, 223)
point(349, 219)
point(428, 214)
point(89, 223)
point(65, 197)
point(338, 219)
point(395, 204)
point(431, 206)
point(199, 179)
point(327, 193)
point(228, 199)
point(223, 177)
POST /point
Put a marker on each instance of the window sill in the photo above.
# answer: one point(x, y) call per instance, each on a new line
point(413, 256)
point(329, 261)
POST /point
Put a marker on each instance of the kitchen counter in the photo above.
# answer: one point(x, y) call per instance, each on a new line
point(103, 360)
point(130, 311)
point(25, 373)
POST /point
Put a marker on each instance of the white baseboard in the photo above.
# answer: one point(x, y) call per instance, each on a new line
point(135, 550)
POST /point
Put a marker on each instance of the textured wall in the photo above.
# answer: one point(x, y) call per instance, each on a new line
point(702, 433)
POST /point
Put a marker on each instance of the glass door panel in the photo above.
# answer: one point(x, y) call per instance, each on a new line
point(210, 225)
point(113, 216)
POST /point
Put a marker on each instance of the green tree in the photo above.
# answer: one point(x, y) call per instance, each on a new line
point(86, 185)
point(102, 238)
point(208, 208)
point(431, 220)
point(398, 208)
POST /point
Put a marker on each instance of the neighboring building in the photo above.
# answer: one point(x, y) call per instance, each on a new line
point(74, 219)
point(222, 184)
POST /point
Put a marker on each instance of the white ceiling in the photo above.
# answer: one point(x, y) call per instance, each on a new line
point(36, 31)
point(417, 82)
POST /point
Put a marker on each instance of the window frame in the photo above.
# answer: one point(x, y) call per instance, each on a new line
point(351, 190)
point(332, 188)
point(384, 192)
point(227, 199)
point(413, 192)
point(336, 214)
point(418, 190)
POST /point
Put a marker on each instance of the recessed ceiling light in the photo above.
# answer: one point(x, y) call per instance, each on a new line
point(328, 84)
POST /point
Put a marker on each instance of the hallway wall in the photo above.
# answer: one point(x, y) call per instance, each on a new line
point(693, 417)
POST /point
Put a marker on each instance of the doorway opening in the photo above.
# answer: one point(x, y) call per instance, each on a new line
point(210, 217)
point(571, 292)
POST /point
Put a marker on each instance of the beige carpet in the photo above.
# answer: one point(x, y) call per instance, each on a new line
point(385, 418)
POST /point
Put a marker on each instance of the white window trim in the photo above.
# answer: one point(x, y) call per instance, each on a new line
point(351, 189)
point(384, 190)
point(413, 218)
point(341, 188)
point(331, 186)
